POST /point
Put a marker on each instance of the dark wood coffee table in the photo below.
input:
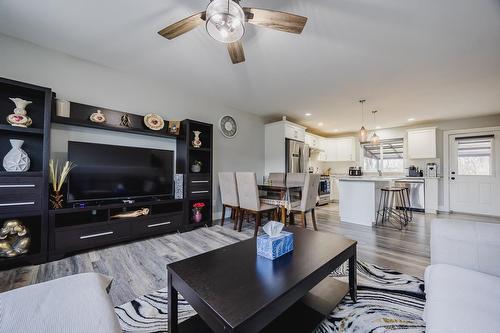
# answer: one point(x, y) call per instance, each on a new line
point(234, 290)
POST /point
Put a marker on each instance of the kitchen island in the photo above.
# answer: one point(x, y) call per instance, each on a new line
point(359, 196)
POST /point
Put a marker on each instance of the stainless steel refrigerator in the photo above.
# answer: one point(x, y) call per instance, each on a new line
point(297, 156)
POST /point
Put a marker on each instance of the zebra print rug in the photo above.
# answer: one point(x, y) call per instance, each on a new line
point(388, 301)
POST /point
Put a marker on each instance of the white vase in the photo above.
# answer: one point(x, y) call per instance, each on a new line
point(21, 105)
point(16, 159)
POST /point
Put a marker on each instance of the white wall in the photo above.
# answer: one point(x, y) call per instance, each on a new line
point(89, 83)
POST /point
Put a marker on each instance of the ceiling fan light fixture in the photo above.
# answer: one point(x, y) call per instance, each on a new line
point(225, 21)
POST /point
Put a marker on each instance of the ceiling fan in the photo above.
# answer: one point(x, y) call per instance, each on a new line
point(225, 22)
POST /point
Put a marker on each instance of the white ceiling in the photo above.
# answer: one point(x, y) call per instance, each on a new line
point(422, 59)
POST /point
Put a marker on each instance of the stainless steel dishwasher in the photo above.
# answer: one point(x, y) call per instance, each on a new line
point(417, 193)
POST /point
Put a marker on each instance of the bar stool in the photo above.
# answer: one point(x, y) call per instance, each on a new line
point(387, 207)
point(405, 205)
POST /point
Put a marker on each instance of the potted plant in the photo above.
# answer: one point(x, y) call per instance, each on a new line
point(197, 207)
point(196, 167)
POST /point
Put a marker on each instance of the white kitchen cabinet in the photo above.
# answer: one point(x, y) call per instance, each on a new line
point(340, 149)
point(422, 143)
point(312, 141)
point(294, 132)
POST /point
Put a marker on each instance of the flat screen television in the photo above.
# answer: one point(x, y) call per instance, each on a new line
point(105, 172)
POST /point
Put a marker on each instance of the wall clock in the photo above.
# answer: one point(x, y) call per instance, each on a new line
point(228, 126)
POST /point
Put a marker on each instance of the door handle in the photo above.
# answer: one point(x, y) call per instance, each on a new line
point(453, 172)
point(452, 178)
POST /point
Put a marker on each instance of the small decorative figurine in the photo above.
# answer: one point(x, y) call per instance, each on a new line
point(174, 127)
point(135, 213)
point(14, 239)
point(154, 122)
point(97, 117)
point(125, 121)
point(196, 141)
point(63, 108)
point(19, 117)
point(196, 167)
point(16, 159)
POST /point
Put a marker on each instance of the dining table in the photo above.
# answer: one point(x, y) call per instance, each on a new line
point(285, 197)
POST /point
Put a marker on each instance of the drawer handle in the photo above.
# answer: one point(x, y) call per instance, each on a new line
point(196, 192)
point(17, 185)
point(199, 181)
point(97, 235)
point(17, 204)
point(158, 224)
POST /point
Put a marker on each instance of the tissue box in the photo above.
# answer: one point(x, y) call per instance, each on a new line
point(274, 247)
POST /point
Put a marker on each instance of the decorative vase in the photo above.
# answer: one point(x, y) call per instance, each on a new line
point(195, 168)
point(19, 117)
point(56, 199)
point(16, 159)
point(196, 141)
point(197, 216)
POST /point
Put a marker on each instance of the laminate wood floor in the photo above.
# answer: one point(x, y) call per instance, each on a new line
point(138, 268)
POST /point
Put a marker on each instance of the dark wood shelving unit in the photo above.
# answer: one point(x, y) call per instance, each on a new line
point(80, 116)
point(24, 195)
point(197, 186)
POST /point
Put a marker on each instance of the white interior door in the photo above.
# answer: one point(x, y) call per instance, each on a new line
point(474, 178)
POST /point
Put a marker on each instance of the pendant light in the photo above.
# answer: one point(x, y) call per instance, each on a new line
point(375, 138)
point(363, 134)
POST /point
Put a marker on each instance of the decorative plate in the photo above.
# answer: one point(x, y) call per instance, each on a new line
point(154, 121)
point(228, 126)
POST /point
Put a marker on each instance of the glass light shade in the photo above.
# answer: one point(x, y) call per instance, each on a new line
point(225, 21)
point(363, 134)
point(375, 139)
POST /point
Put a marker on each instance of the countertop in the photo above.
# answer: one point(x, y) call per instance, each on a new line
point(380, 178)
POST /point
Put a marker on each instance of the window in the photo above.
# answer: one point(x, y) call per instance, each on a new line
point(386, 156)
point(474, 156)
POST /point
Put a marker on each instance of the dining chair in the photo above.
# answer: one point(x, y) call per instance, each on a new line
point(248, 193)
point(295, 179)
point(229, 196)
point(277, 178)
point(308, 201)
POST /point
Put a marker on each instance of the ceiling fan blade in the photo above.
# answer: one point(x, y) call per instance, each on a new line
point(236, 52)
point(275, 20)
point(183, 26)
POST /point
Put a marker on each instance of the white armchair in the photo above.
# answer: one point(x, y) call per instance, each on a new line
point(462, 284)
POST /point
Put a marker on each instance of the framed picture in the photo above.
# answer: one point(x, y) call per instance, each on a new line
point(174, 127)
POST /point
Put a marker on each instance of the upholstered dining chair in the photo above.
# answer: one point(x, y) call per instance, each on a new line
point(248, 193)
point(296, 179)
point(308, 201)
point(277, 178)
point(229, 196)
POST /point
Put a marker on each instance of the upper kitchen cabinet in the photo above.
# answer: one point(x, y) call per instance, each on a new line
point(313, 141)
point(340, 149)
point(294, 131)
point(422, 143)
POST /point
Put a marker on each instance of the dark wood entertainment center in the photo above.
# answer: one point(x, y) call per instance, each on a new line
point(56, 233)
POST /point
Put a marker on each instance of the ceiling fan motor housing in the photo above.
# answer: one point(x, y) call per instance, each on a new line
point(225, 21)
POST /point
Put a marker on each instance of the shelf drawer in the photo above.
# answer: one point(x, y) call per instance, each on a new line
point(20, 194)
point(157, 225)
point(84, 238)
point(199, 185)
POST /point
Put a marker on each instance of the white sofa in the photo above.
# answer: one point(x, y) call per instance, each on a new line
point(462, 284)
point(77, 303)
